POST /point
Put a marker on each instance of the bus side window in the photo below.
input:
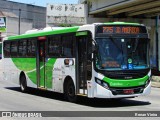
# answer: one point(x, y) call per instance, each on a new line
point(54, 46)
point(31, 48)
point(13, 49)
point(67, 46)
point(6, 49)
point(22, 51)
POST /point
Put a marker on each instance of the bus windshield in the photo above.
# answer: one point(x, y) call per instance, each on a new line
point(122, 53)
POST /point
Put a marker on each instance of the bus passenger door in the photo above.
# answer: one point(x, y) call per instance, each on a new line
point(41, 62)
point(84, 63)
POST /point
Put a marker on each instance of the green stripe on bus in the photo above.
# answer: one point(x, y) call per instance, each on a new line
point(49, 72)
point(33, 76)
point(81, 33)
point(28, 65)
point(25, 64)
point(126, 83)
point(45, 33)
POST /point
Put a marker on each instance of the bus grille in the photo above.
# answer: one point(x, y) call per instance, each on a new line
point(126, 74)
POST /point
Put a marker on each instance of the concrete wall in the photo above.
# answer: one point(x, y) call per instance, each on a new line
point(13, 23)
point(31, 16)
point(74, 14)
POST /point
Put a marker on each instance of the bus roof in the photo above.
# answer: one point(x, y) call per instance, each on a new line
point(63, 30)
point(121, 23)
point(44, 33)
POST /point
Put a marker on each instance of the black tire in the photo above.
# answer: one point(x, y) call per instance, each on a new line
point(69, 91)
point(23, 83)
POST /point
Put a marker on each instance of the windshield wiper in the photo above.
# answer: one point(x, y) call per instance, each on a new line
point(119, 47)
point(112, 39)
point(135, 45)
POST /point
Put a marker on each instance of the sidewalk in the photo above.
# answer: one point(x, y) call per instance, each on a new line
point(155, 81)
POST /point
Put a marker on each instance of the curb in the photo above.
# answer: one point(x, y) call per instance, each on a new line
point(155, 80)
point(155, 84)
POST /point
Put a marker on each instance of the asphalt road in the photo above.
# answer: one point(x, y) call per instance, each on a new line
point(12, 99)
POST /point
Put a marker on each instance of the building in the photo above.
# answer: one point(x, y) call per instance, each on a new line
point(21, 17)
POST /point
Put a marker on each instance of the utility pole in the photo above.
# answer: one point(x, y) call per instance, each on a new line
point(19, 22)
point(157, 43)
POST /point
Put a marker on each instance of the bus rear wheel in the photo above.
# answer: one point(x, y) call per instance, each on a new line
point(69, 91)
point(23, 83)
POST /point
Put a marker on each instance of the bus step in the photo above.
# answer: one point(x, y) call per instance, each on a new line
point(81, 95)
point(42, 88)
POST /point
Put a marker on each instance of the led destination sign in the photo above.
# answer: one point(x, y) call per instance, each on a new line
point(121, 29)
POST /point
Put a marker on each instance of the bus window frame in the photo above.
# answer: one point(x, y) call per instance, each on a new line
point(61, 36)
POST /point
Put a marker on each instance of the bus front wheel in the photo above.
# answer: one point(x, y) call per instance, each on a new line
point(23, 83)
point(69, 91)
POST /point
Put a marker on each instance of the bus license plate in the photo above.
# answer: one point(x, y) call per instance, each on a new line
point(128, 91)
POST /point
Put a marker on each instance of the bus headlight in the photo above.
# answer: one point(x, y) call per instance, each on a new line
point(98, 81)
point(105, 85)
point(102, 83)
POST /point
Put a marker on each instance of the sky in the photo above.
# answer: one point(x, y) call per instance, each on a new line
point(44, 2)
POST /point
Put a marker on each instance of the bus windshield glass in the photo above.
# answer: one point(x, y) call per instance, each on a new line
point(122, 53)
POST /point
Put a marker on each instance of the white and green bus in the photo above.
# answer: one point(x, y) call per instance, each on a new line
point(101, 60)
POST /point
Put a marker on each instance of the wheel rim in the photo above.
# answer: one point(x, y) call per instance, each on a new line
point(23, 83)
point(22, 88)
point(70, 92)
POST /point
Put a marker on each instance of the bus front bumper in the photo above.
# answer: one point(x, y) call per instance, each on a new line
point(101, 92)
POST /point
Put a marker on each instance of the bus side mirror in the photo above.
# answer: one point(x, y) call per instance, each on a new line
point(94, 46)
